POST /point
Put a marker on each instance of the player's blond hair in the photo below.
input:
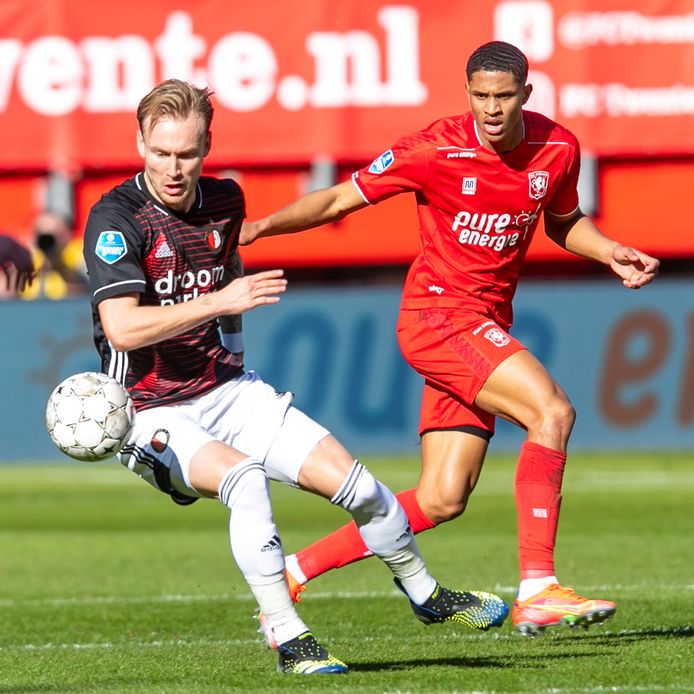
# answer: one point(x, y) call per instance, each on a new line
point(174, 99)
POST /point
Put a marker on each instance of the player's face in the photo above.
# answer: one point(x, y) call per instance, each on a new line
point(173, 151)
point(496, 102)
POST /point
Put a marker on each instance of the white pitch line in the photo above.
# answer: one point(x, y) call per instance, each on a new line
point(107, 645)
point(247, 597)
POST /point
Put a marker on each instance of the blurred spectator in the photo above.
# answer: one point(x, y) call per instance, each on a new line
point(60, 270)
point(17, 266)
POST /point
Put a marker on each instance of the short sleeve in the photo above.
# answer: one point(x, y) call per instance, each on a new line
point(113, 253)
point(564, 202)
point(402, 168)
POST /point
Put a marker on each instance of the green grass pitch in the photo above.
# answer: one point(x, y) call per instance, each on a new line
point(107, 586)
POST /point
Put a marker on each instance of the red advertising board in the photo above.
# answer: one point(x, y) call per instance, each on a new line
point(299, 79)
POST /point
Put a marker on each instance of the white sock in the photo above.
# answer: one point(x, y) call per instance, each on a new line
point(272, 596)
point(408, 566)
point(530, 586)
point(385, 530)
point(256, 545)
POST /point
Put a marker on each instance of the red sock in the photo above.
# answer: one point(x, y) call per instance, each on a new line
point(538, 498)
point(345, 545)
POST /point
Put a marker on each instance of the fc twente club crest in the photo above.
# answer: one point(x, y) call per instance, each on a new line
point(538, 182)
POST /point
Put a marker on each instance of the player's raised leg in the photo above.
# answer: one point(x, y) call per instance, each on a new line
point(344, 546)
point(451, 464)
point(330, 471)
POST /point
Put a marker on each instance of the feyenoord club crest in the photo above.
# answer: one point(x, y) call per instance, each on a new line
point(160, 440)
point(538, 182)
point(214, 240)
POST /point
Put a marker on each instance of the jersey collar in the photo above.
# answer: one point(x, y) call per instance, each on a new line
point(476, 132)
point(141, 183)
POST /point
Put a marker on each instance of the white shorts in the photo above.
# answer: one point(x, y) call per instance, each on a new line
point(246, 413)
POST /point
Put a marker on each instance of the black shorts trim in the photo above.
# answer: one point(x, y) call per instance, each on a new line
point(465, 429)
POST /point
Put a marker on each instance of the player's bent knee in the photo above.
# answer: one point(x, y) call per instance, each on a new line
point(360, 493)
point(381, 519)
point(552, 418)
point(558, 417)
point(440, 511)
point(245, 483)
point(210, 464)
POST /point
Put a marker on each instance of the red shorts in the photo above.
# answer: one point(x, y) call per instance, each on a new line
point(455, 350)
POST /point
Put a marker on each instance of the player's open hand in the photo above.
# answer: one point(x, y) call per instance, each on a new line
point(16, 262)
point(634, 267)
point(245, 293)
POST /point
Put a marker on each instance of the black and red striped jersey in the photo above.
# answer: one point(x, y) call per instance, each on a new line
point(133, 243)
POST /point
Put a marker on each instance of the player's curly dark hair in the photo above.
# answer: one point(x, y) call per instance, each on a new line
point(175, 99)
point(498, 56)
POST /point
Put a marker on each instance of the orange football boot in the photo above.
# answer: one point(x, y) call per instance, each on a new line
point(557, 605)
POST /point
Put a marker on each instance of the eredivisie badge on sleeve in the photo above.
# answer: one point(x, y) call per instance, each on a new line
point(380, 164)
point(110, 246)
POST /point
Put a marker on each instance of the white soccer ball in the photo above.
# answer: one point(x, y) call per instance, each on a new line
point(89, 416)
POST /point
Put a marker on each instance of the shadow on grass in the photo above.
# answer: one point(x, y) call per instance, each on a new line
point(627, 635)
point(512, 661)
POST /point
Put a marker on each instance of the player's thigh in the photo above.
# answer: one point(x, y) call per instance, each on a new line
point(454, 349)
point(304, 454)
point(326, 468)
point(521, 390)
point(244, 413)
point(161, 445)
point(209, 465)
point(451, 465)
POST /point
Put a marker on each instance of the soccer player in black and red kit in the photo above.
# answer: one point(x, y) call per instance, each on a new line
point(165, 274)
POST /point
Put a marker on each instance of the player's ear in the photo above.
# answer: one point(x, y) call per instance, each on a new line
point(140, 143)
point(527, 91)
point(208, 143)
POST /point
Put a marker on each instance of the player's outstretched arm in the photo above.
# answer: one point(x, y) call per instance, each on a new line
point(311, 210)
point(128, 325)
point(581, 237)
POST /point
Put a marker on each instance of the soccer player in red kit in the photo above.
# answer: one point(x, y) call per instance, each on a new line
point(481, 181)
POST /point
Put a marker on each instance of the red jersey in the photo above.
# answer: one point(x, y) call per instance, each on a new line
point(477, 209)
